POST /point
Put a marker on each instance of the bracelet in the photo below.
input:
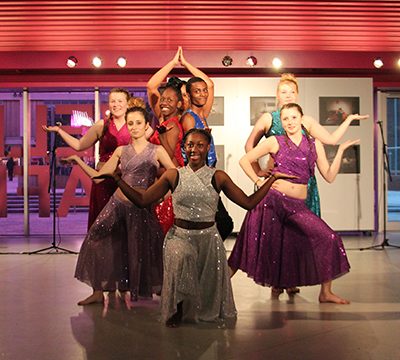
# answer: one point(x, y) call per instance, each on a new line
point(161, 129)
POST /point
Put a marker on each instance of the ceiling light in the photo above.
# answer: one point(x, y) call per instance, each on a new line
point(72, 61)
point(276, 63)
point(97, 61)
point(251, 61)
point(378, 63)
point(227, 60)
point(121, 62)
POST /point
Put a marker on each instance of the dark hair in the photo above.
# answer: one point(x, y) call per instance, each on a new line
point(175, 81)
point(292, 106)
point(203, 132)
point(143, 111)
point(174, 85)
point(191, 81)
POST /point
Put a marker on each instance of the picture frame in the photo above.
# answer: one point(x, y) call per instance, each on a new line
point(333, 110)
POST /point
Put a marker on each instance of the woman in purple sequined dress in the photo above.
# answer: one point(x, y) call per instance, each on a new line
point(282, 243)
point(123, 248)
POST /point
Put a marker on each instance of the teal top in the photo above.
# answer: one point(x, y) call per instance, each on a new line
point(312, 200)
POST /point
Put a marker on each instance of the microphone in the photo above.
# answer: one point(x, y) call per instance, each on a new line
point(379, 122)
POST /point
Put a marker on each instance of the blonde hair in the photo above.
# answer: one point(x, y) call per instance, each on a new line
point(136, 102)
point(288, 78)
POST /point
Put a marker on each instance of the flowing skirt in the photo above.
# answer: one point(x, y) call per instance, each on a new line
point(283, 244)
point(196, 272)
point(122, 250)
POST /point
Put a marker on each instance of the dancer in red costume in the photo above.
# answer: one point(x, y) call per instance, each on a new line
point(110, 133)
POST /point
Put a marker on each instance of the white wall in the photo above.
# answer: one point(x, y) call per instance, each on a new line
point(348, 203)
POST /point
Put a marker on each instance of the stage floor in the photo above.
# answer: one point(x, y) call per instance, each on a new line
point(40, 318)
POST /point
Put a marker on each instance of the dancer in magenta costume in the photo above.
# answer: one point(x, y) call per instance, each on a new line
point(282, 243)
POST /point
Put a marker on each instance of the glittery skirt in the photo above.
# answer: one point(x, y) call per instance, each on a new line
point(282, 243)
point(100, 193)
point(312, 200)
point(165, 214)
point(122, 250)
point(196, 272)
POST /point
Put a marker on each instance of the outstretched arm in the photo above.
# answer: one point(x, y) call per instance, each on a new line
point(317, 131)
point(327, 171)
point(155, 81)
point(167, 181)
point(198, 73)
point(85, 142)
point(234, 193)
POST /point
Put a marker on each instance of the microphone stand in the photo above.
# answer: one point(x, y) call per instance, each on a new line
point(52, 187)
point(386, 171)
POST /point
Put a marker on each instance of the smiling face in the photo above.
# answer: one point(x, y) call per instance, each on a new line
point(196, 149)
point(291, 120)
point(198, 93)
point(118, 104)
point(286, 93)
point(136, 124)
point(169, 103)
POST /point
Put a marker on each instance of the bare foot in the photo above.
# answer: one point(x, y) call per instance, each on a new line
point(95, 298)
point(332, 298)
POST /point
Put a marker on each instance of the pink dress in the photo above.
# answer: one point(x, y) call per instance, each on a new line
point(164, 210)
point(101, 192)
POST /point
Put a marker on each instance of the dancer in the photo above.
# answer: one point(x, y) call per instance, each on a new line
point(111, 133)
point(270, 124)
point(124, 236)
point(291, 246)
point(196, 282)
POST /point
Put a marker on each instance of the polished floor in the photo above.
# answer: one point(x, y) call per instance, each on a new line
point(39, 318)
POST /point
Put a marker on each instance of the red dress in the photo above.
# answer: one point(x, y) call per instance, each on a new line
point(164, 210)
point(101, 192)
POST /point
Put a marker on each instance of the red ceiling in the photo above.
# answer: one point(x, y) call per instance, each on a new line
point(309, 35)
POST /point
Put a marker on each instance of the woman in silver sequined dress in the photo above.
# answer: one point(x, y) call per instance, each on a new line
point(123, 248)
point(196, 284)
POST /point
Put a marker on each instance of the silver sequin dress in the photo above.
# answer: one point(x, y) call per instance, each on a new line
point(123, 248)
point(195, 265)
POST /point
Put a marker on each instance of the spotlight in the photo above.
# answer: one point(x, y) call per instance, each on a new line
point(227, 60)
point(121, 62)
point(251, 61)
point(97, 62)
point(398, 62)
point(378, 63)
point(276, 63)
point(72, 61)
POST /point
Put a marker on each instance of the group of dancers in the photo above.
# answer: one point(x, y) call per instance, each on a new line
point(155, 195)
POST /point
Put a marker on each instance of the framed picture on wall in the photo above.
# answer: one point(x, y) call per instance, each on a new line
point(334, 110)
point(216, 117)
point(220, 151)
point(350, 161)
point(260, 105)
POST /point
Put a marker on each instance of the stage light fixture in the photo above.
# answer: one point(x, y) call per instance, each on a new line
point(97, 62)
point(72, 61)
point(121, 62)
point(251, 61)
point(398, 62)
point(378, 63)
point(276, 63)
point(227, 61)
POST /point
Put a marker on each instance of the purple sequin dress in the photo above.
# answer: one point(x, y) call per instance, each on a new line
point(281, 242)
point(123, 248)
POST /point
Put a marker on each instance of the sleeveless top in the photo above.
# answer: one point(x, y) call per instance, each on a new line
point(194, 198)
point(276, 125)
point(298, 160)
point(139, 170)
point(111, 139)
point(155, 139)
point(198, 124)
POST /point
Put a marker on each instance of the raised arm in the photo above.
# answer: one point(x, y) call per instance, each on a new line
point(167, 181)
point(327, 171)
point(155, 81)
point(259, 129)
point(270, 145)
point(85, 142)
point(317, 131)
point(164, 159)
point(198, 73)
